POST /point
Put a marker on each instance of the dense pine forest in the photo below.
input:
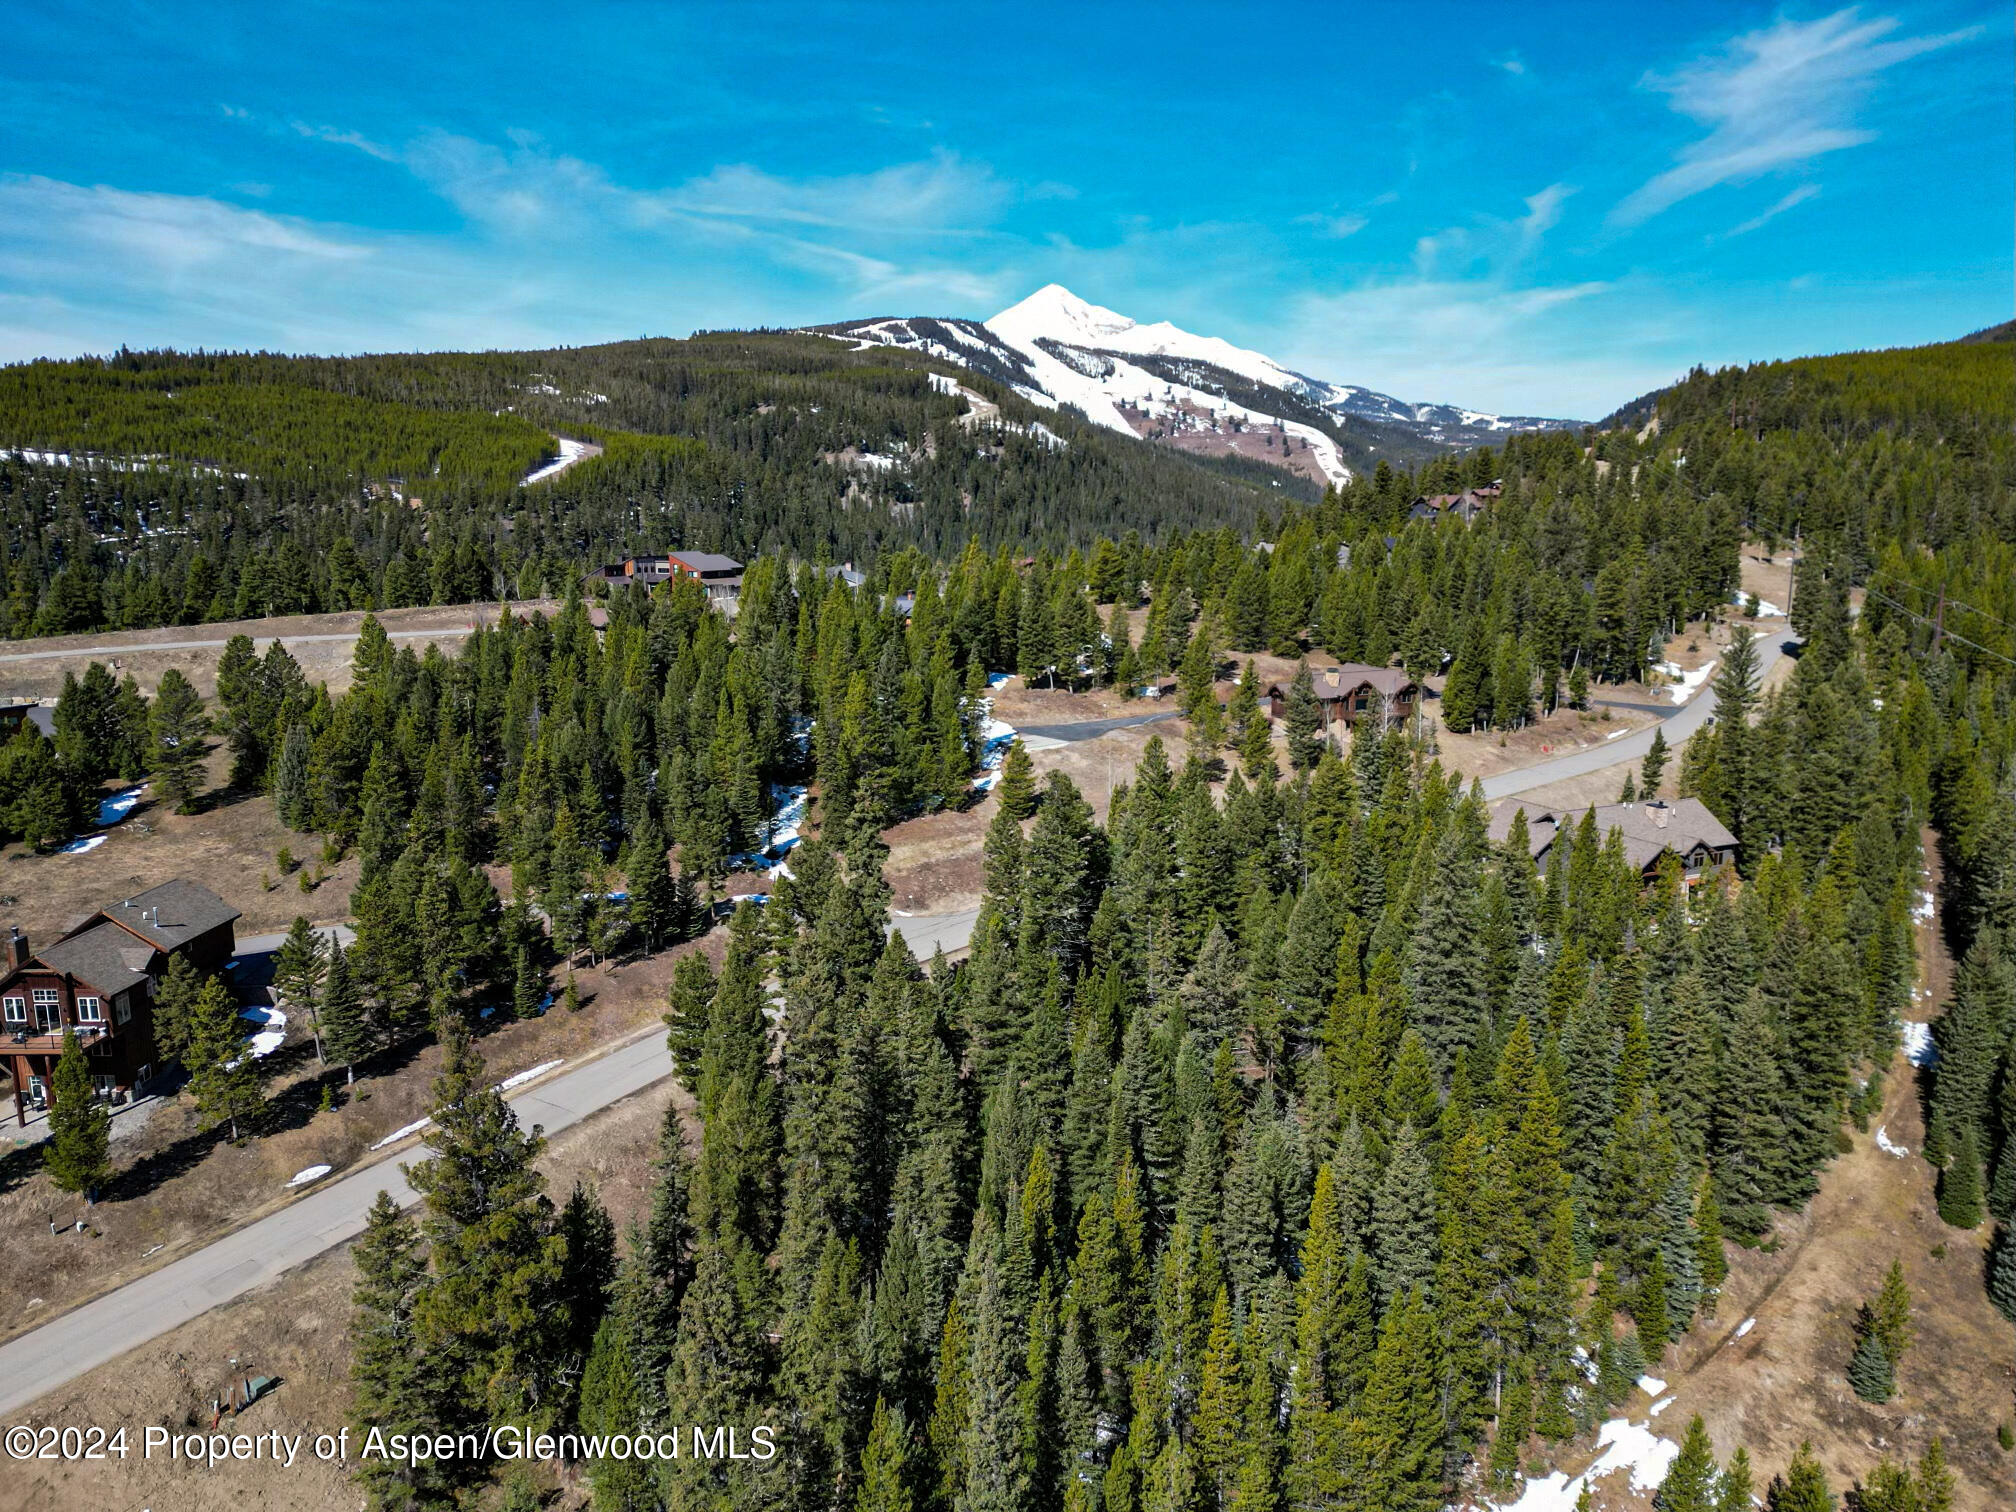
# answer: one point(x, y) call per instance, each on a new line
point(1285, 1140)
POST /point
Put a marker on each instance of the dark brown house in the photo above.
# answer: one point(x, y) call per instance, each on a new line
point(99, 979)
point(1354, 691)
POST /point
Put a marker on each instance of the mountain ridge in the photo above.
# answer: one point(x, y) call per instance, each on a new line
point(1201, 394)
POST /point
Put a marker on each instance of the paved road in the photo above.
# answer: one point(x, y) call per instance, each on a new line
point(926, 933)
point(1683, 721)
point(446, 632)
point(63, 1349)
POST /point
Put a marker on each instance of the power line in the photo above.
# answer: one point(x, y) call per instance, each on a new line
point(1949, 634)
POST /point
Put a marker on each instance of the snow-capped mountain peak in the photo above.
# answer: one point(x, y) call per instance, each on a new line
point(1054, 313)
point(1200, 394)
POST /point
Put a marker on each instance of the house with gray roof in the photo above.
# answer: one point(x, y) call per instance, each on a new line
point(1648, 831)
point(98, 979)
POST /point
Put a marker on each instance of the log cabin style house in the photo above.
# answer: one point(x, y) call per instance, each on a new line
point(1353, 692)
point(99, 979)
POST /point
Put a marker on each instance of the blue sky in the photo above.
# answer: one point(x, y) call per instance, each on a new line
point(1545, 208)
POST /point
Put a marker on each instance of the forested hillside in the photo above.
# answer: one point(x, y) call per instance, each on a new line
point(1285, 1140)
point(193, 487)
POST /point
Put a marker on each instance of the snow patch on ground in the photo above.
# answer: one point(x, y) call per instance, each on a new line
point(314, 1173)
point(996, 735)
point(1662, 1404)
point(525, 1076)
point(400, 1133)
point(1765, 608)
point(1685, 684)
point(115, 808)
point(1626, 1446)
point(1888, 1145)
point(80, 845)
point(570, 453)
point(1651, 1385)
point(1745, 1326)
point(1918, 1046)
point(272, 1030)
point(1923, 910)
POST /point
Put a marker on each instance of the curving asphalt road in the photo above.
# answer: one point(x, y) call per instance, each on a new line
point(1680, 724)
point(64, 1348)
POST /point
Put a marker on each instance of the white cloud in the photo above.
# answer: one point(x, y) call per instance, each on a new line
point(1774, 99)
point(1798, 196)
point(1337, 227)
point(343, 138)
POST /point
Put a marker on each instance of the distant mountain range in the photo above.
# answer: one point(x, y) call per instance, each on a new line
point(1198, 394)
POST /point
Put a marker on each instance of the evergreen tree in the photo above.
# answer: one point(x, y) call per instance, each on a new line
point(224, 1075)
point(299, 967)
point(395, 1388)
point(1690, 1483)
point(1870, 1371)
point(77, 1156)
point(175, 740)
point(885, 1481)
point(345, 1031)
point(1802, 1488)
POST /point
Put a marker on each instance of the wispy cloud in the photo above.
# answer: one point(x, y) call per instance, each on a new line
point(1336, 227)
point(1775, 99)
point(1510, 63)
point(1798, 196)
point(343, 138)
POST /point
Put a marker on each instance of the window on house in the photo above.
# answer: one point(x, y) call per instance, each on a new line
point(122, 1010)
point(90, 1011)
point(15, 1010)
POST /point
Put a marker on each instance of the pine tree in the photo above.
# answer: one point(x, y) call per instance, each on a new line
point(2002, 1272)
point(1303, 720)
point(346, 1032)
point(1870, 1373)
point(1935, 1480)
point(77, 1156)
point(1733, 1486)
point(1654, 767)
point(1803, 1487)
point(885, 1464)
point(175, 740)
point(610, 1405)
point(394, 1386)
point(299, 968)
point(1960, 1183)
point(1690, 1483)
point(495, 1302)
point(1890, 1313)
point(689, 1005)
point(224, 1076)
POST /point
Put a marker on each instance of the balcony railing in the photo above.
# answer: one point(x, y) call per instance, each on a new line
point(19, 1039)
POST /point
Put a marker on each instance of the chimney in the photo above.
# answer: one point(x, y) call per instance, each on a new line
point(17, 947)
point(1659, 811)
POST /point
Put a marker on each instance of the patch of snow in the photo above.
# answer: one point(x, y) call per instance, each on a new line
point(1685, 683)
point(1745, 1326)
point(525, 1076)
point(1923, 910)
point(272, 1030)
point(80, 845)
point(1616, 735)
point(400, 1133)
point(1918, 1046)
point(1888, 1145)
point(998, 679)
point(570, 453)
point(115, 808)
point(1651, 1385)
point(1765, 608)
point(1662, 1404)
point(312, 1174)
point(1626, 1446)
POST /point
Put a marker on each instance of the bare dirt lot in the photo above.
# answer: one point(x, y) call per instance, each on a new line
point(297, 1330)
point(230, 845)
